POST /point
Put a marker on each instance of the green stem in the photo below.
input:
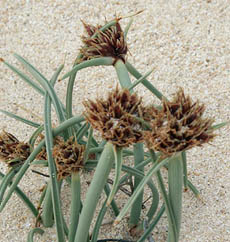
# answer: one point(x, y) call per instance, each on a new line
point(137, 205)
point(24, 198)
point(118, 166)
point(75, 205)
point(122, 74)
point(30, 237)
point(113, 203)
point(148, 231)
point(175, 183)
point(6, 181)
point(185, 173)
point(99, 222)
point(93, 194)
point(102, 61)
point(47, 208)
point(52, 171)
point(154, 169)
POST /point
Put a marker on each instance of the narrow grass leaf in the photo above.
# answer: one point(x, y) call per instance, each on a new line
point(137, 191)
point(30, 237)
point(140, 80)
point(126, 30)
point(93, 194)
point(75, 206)
point(52, 171)
point(103, 61)
point(24, 198)
point(23, 120)
point(26, 79)
point(145, 82)
point(6, 181)
point(46, 85)
point(118, 166)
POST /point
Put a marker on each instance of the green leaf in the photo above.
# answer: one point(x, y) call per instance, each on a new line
point(52, 171)
point(103, 61)
point(26, 121)
point(118, 166)
point(145, 82)
point(140, 80)
point(45, 84)
point(24, 198)
point(218, 126)
point(122, 74)
point(127, 28)
point(30, 237)
point(137, 191)
point(75, 205)
point(25, 78)
point(175, 183)
point(93, 194)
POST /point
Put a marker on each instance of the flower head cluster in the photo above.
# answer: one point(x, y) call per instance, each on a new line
point(110, 43)
point(12, 151)
point(68, 157)
point(179, 126)
point(115, 117)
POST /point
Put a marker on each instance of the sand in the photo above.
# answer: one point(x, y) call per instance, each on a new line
point(187, 44)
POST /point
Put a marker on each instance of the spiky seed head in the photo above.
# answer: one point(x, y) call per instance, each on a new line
point(42, 155)
point(11, 148)
point(179, 126)
point(68, 157)
point(110, 43)
point(115, 117)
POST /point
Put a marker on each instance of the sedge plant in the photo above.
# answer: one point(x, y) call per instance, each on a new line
point(147, 135)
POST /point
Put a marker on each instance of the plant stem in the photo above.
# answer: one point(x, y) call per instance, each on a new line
point(137, 205)
point(175, 183)
point(145, 82)
point(122, 74)
point(93, 194)
point(75, 205)
point(47, 208)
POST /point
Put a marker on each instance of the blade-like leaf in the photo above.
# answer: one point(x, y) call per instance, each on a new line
point(26, 121)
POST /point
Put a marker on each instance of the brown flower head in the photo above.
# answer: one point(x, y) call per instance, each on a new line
point(68, 157)
point(115, 117)
point(179, 126)
point(11, 148)
point(110, 43)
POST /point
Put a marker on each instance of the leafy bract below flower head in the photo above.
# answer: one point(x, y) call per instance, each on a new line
point(12, 151)
point(68, 157)
point(110, 43)
point(179, 126)
point(115, 117)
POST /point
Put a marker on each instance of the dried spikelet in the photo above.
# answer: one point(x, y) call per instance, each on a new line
point(42, 155)
point(11, 149)
point(179, 126)
point(115, 117)
point(68, 157)
point(110, 43)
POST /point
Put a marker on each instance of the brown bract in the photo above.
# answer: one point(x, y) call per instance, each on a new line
point(68, 157)
point(179, 126)
point(115, 117)
point(110, 43)
point(11, 148)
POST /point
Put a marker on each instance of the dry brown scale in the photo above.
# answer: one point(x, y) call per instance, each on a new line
point(115, 117)
point(110, 43)
point(12, 149)
point(179, 126)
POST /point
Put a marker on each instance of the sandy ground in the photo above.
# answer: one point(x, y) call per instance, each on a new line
point(187, 42)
